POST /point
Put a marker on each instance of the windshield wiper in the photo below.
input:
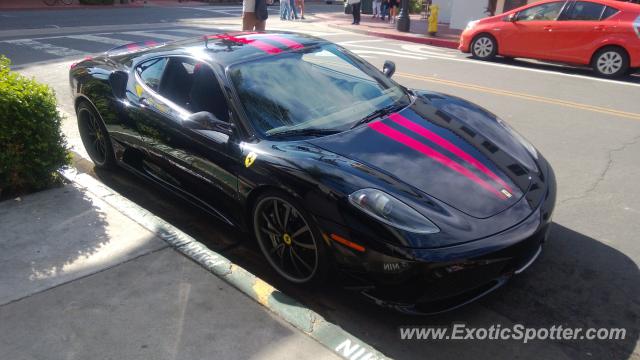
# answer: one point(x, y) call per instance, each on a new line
point(377, 114)
point(304, 132)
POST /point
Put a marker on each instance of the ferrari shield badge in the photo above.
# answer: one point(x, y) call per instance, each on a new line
point(251, 157)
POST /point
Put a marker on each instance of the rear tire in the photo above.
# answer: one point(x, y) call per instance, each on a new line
point(610, 62)
point(484, 47)
point(95, 137)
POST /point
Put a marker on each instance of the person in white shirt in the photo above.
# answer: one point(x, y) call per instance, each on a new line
point(252, 19)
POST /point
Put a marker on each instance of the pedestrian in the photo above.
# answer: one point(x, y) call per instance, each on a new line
point(376, 8)
point(254, 15)
point(285, 10)
point(384, 7)
point(355, 11)
point(292, 4)
point(393, 7)
point(301, 6)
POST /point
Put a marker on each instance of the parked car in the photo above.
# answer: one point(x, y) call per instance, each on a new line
point(602, 34)
point(425, 200)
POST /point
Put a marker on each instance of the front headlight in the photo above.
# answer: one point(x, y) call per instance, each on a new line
point(471, 24)
point(532, 150)
point(391, 211)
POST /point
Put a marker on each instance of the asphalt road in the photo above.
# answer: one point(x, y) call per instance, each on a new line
point(588, 128)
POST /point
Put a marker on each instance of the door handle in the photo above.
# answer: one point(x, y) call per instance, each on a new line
point(598, 27)
point(548, 28)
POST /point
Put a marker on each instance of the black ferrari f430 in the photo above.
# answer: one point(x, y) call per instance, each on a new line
point(424, 200)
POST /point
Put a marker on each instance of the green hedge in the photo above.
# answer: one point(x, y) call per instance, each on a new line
point(96, 2)
point(32, 146)
point(415, 6)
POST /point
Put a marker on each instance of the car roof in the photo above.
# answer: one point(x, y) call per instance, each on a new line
point(621, 5)
point(230, 48)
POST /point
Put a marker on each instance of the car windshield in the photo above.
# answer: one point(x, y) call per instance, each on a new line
point(313, 91)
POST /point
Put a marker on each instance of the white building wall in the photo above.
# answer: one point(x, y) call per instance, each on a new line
point(444, 15)
point(463, 11)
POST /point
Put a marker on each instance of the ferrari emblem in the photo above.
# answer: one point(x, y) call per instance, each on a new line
point(248, 161)
point(506, 193)
point(139, 90)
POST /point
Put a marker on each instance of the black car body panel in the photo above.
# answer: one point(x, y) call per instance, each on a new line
point(452, 161)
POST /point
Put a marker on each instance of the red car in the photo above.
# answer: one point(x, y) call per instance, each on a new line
point(603, 34)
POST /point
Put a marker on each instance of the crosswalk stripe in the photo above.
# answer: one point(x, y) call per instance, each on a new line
point(358, 51)
point(155, 35)
point(421, 49)
point(47, 48)
point(194, 31)
point(100, 39)
point(390, 51)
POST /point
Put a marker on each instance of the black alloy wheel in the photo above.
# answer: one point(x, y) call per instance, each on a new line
point(289, 240)
point(94, 136)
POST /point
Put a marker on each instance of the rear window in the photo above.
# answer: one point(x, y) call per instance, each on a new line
point(585, 11)
point(609, 12)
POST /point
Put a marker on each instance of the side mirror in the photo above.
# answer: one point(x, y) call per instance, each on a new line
point(389, 68)
point(513, 17)
point(205, 120)
point(118, 82)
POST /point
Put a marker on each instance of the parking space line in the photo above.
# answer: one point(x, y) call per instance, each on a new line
point(524, 96)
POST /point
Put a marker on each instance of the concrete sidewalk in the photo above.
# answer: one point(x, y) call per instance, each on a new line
point(78, 279)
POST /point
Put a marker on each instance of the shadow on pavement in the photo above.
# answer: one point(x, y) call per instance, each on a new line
point(48, 237)
point(578, 282)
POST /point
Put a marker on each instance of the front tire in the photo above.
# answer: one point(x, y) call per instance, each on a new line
point(289, 239)
point(610, 62)
point(484, 47)
point(95, 137)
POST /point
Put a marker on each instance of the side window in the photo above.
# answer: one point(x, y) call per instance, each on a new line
point(151, 72)
point(544, 12)
point(194, 87)
point(585, 11)
point(609, 12)
point(177, 81)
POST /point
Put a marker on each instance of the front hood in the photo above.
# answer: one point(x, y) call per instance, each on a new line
point(452, 151)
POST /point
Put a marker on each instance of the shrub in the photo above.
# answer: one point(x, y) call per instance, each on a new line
point(96, 2)
point(32, 146)
point(415, 6)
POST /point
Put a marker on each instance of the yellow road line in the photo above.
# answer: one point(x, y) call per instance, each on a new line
point(598, 109)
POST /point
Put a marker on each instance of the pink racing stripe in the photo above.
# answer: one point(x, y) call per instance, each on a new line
point(428, 151)
point(291, 44)
point(268, 48)
point(446, 144)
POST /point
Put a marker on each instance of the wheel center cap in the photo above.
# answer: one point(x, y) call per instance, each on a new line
point(287, 239)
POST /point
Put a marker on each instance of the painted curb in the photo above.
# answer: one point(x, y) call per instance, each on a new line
point(313, 324)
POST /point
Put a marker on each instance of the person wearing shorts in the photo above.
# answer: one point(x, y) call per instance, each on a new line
point(393, 8)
